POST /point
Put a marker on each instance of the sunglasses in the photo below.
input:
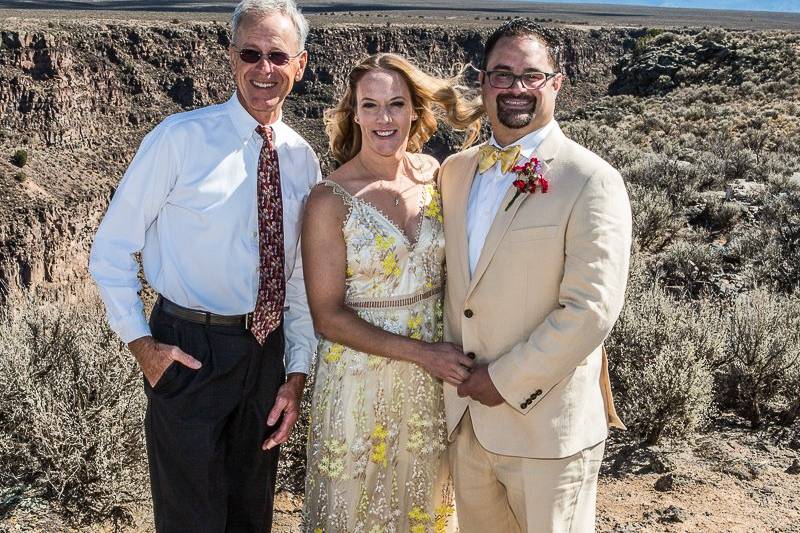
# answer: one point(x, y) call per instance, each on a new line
point(279, 59)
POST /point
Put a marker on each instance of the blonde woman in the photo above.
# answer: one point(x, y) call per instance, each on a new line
point(373, 253)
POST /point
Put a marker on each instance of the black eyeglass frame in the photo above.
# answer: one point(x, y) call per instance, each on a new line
point(514, 77)
point(268, 55)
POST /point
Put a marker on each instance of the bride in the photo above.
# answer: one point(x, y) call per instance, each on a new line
point(373, 253)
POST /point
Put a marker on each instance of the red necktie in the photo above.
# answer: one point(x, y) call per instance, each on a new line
point(272, 279)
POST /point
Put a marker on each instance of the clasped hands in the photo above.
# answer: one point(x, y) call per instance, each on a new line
point(447, 362)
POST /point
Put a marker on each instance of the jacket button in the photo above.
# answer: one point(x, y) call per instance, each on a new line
point(471, 355)
point(538, 392)
point(524, 405)
point(468, 313)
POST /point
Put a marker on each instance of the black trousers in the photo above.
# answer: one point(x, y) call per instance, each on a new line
point(204, 429)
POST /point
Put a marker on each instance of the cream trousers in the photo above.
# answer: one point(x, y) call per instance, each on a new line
point(499, 494)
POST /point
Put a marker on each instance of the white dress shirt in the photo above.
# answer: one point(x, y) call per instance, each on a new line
point(188, 202)
point(489, 189)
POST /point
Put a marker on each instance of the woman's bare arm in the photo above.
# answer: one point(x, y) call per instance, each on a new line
point(324, 266)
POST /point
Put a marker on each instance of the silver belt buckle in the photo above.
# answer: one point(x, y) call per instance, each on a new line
point(248, 321)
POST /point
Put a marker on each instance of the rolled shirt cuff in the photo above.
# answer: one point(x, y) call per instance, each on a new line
point(131, 328)
point(298, 361)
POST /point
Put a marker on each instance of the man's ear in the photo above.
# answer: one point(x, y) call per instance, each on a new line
point(303, 60)
point(481, 76)
point(557, 81)
point(232, 58)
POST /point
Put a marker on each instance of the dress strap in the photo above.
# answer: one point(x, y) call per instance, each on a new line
point(339, 191)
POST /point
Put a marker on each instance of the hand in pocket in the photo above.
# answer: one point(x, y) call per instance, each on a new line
point(155, 357)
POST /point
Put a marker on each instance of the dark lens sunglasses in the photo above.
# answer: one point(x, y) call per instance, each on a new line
point(278, 59)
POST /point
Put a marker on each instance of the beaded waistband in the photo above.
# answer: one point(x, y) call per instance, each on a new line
point(393, 303)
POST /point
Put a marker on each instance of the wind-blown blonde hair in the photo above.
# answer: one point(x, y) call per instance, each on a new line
point(433, 99)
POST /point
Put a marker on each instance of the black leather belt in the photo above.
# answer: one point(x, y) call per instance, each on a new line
point(203, 317)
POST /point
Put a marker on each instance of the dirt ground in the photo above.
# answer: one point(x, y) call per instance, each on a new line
point(731, 480)
point(728, 480)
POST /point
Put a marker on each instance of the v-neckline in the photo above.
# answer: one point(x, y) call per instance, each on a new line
point(420, 216)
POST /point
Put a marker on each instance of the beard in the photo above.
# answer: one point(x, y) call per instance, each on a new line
point(515, 118)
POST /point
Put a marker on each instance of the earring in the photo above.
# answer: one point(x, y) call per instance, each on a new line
point(355, 119)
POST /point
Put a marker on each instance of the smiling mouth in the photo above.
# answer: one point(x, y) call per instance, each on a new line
point(384, 133)
point(263, 84)
point(516, 103)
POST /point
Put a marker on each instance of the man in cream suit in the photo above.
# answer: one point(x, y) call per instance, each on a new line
point(535, 283)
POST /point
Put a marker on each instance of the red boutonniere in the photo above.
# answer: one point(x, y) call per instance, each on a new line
point(530, 178)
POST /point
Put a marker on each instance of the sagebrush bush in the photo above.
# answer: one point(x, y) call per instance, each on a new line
point(20, 158)
point(655, 221)
point(679, 180)
point(720, 216)
point(763, 350)
point(770, 248)
point(71, 408)
point(689, 268)
point(662, 353)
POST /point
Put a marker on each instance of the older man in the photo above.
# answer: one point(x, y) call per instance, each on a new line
point(213, 200)
point(538, 233)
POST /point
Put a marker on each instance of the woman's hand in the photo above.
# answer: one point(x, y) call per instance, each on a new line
point(445, 361)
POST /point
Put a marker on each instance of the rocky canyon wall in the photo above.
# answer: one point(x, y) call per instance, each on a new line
point(79, 96)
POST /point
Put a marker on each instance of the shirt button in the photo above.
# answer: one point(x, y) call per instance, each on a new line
point(471, 355)
point(468, 313)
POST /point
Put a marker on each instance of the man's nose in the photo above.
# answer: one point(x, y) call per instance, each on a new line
point(264, 64)
point(517, 87)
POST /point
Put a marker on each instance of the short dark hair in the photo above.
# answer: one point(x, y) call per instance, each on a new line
point(521, 27)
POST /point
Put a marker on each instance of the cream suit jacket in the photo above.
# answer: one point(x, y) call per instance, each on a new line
point(547, 289)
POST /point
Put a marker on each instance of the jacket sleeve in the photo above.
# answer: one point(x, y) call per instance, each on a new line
point(591, 294)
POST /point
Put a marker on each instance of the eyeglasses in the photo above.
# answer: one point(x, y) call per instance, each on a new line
point(279, 59)
point(504, 79)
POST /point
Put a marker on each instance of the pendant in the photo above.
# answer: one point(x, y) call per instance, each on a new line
point(396, 201)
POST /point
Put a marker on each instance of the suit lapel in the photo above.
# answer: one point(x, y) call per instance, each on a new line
point(464, 175)
point(502, 221)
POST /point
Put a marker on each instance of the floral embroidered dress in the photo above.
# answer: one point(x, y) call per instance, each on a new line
point(377, 433)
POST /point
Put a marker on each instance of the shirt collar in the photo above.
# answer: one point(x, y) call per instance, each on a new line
point(529, 143)
point(244, 122)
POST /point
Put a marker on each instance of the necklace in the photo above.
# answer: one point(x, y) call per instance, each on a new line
point(396, 195)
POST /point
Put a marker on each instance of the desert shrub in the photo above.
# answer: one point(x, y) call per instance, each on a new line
point(763, 350)
point(770, 248)
point(719, 216)
point(689, 268)
point(655, 221)
point(20, 158)
point(71, 410)
point(590, 135)
point(791, 391)
point(642, 43)
point(662, 353)
point(21, 176)
point(680, 180)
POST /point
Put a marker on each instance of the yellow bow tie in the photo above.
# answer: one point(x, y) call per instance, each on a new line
point(489, 155)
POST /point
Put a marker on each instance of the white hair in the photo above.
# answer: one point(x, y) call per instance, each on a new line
point(246, 8)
